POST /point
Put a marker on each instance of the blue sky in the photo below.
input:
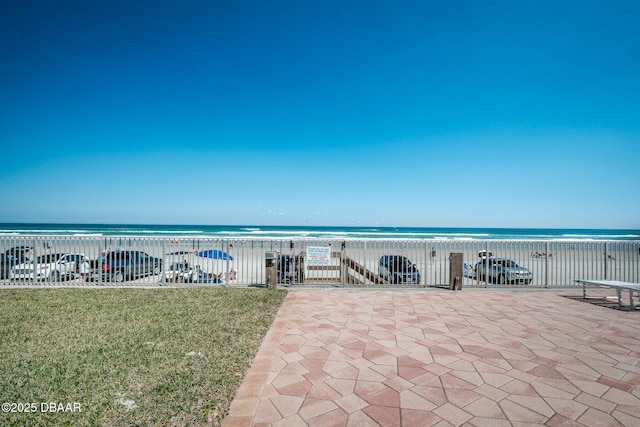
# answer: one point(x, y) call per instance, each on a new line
point(437, 114)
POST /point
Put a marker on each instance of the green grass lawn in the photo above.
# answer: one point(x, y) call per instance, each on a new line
point(128, 356)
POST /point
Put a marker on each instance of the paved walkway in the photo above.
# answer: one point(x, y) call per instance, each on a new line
point(437, 357)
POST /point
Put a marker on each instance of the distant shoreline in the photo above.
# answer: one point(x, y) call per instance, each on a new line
point(315, 232)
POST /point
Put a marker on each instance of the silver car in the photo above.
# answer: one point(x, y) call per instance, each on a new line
point(50, 267)
point(398, 269)
point(503, 271)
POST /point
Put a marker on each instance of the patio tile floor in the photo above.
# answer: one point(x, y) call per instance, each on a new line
point(427, 357)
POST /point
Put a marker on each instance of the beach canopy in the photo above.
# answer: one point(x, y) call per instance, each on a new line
point(215, 254)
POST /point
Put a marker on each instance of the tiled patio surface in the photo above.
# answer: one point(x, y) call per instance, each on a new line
point(438, 357)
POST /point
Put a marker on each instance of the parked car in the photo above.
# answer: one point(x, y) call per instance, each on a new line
point(290, 268)
point(183, 273)
point(53, 267)
point(11, 257)
point(176, 273)
point(501, 270)
point(398, 269)
point(118, 266)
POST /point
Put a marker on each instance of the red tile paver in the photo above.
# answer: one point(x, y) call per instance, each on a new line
point(435, 357)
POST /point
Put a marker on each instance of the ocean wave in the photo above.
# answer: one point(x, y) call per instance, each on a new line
point(603, 236)
point(600, 239)
point(567, 240)
point(258, 233)
point(172, 232)
point(41, 231)
point(317, 232)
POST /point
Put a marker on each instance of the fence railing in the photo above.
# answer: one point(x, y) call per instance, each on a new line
point(166, 261)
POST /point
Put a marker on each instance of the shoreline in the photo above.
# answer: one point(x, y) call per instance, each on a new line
point(350, 233)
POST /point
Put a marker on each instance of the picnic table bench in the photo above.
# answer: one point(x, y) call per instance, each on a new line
point(613, 284)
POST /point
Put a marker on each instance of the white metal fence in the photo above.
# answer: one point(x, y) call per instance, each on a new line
point(155, 261)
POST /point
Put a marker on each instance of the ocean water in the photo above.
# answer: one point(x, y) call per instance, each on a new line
point(310, 232)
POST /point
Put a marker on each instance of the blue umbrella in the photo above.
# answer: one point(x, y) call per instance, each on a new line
point(215, 254)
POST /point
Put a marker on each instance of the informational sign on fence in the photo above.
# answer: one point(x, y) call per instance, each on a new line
point(318, 255)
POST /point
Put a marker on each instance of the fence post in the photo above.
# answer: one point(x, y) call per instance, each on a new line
point(546, 265)
point(343, 269)
point(606, 270)
point(34, 245)
point(163, 276)
point(486, 265)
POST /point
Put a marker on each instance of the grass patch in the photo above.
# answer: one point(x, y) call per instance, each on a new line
point(129, 356)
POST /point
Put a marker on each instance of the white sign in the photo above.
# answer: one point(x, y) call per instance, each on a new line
point(318, 255)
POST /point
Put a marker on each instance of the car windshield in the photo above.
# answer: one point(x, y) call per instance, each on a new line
point(401, 262)
point(47, 259)
point(118, 256)
point(508, 263)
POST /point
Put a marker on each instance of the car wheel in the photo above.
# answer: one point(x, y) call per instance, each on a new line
point(118, 277)
point(156, 270)
point(502, 279)
point(55, 276)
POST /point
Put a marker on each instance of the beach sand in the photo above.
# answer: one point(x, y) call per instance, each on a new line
point(553, 264)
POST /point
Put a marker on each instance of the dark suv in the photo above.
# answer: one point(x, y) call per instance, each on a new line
point(118, 266)
point(290, 269)
point(398, 269)
point(14, 256)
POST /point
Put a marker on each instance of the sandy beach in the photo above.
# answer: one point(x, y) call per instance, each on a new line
point(553, 264)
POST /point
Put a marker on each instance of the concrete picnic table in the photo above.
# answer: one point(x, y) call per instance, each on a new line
point(619, 286)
